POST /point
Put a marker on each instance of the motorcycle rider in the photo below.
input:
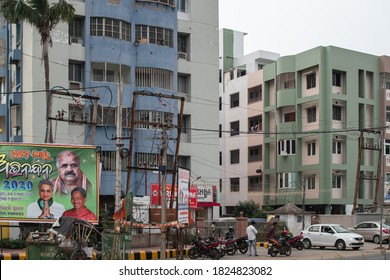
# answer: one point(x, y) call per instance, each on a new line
point(271, 234)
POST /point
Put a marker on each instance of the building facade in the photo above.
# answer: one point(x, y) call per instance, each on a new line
point(150, 46)
point(320, 122)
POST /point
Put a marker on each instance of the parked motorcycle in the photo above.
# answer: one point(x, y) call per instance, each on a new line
point(203, 248)
point(296, 241)
point(242, 244)
point(280, 246)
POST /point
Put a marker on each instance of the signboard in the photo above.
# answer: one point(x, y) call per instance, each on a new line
point(155, 194)
point(37, 181)
point(193, 196)
point(205, 193)
point(184, 195)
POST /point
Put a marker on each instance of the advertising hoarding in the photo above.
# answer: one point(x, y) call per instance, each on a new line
point(37, 179)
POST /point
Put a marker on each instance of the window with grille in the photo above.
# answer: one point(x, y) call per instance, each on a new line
point(108, 159)
point(235, 128)
point(311, 81)
point(76, 30)
point(336, 113)
point(234, 100)
point(311, 148)
point(311, 114)
point(152, 119)
point(153, 77)
point(152, 160)
point(286, 147)
point(255, 124)
point(109, 72)
point(234, 184)
point(255, 153)
point(109, 27)
point(154, 35)
point(254, 184)
point(234, 156)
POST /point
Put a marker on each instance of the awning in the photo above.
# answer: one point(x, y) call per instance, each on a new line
point(208, 204)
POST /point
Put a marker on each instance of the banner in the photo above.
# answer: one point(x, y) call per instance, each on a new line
point(193, 196)
point(184, 195)
point(155, 194)
point(37, 182)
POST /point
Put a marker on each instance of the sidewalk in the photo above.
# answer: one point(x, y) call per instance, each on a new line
point(134, 254)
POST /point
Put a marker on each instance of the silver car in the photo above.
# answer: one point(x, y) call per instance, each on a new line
point(371, 231)
point(331, 235)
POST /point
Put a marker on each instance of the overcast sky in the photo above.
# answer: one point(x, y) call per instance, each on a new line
point(289, 27)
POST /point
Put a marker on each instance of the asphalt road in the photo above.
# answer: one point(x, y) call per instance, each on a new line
point(370, 251)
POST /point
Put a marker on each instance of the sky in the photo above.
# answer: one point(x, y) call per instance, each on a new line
point(288, 27)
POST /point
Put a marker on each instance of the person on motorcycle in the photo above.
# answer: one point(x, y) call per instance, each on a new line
point(271, 234)
point(230, 234)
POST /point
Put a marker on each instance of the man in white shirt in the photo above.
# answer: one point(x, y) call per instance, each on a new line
point(45, 207)
point(251, 232)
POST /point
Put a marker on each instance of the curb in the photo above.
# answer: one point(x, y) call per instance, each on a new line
point(13, 256)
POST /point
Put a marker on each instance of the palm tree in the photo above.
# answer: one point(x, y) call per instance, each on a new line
point(43, 16)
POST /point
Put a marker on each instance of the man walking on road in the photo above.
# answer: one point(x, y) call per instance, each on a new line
point(251, 232)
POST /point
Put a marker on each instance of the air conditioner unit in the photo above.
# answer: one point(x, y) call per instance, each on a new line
point(15, 116)
point(283, 153)
point(182, 55)
point(75, 40)
point(75, 85)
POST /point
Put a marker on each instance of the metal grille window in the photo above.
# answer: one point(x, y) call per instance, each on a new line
point(105, 115)
point(234, 156)
point(311, 114)
point(234, 184)
point(311, 81)
point(166, 2)
point(151, 119)
point(151, 160)
point(254, 184)
point(255, 124)
point(154, 35)
point(108, 159)
point(336, 113)
point(109, 27)
point(255, 153)
point(153, 77)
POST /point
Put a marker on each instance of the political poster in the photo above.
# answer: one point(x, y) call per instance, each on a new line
point(42, 182)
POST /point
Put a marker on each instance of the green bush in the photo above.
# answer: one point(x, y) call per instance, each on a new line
point(13, 244)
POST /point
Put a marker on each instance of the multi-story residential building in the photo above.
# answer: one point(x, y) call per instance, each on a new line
point(167, 47)
point(241, 121)
point(314, 107)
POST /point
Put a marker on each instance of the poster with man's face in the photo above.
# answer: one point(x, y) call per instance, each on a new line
point(39, 182)
point(386, 198)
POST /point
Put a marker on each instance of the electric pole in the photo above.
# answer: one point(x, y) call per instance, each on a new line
point(118, 166)
point(163, 169)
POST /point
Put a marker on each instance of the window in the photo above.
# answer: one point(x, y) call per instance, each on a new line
point(285, 81)
point(108, 27)
point(165, 2)
point(289, 117)
point(311, 182)
point(336, 182)
point(255, 153)
point(75, 74)
point(186, 124)
point(182, 46)
point(184, 162)
point(220, 131)
point(234, 100)
point(285, 180)
point(336, 79)
point(311, 81)
point(234, 184)
point(157, 117)
point(336, 111)
point(183, 81)
point(255, 124)
point(235, 128)
point(387, 113)
point(311, 148)
point(384, 80)
point(336, 147)
point(234, 156)
point(153, 77)
point(108, 159)
point(151, 160)
point(76, 30)
point(254, 184)
point(387, 148)
point(311, 114)
point(220, 158)
point(181, 5)
point(254, 94)
point(286, 147)
point(109, 72)
point(154, 35)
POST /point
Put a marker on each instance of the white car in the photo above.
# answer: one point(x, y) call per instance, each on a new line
point(331, 235)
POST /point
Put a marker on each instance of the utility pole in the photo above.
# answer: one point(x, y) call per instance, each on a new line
point(163, 169)
point(118, 166)
point(303, 200)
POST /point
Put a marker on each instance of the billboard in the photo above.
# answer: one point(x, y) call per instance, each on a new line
point(184, 195)
point(42, 182)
